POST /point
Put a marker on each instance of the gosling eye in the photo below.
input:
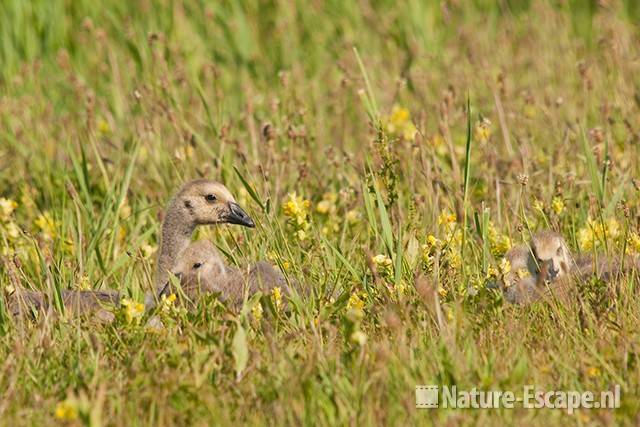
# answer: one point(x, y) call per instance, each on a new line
point(559, 251)
point(210, 198)
point(197, 265)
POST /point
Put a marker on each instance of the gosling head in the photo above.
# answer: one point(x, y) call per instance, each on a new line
point(200, 268)
point(200, 258)
point(209, 202)
point(552, 254)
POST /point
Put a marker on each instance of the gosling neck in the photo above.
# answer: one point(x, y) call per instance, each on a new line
point(177, 228)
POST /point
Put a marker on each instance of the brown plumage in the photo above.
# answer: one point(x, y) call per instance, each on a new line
point(201, 270)
point(23, 302)
point(541, 270)
point(548, 268)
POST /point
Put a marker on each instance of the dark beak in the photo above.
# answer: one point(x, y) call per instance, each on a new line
point(548, 270)
point(237, 215)
point(553, 271)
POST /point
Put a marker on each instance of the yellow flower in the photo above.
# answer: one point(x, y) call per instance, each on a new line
point(328, 204)
point(11, 230)
point(133, 310)
point(399, 117)
point(409, 132)
point(352, 217)
point(7, 206)
point(558, 206)
point(359, 338)
point(301, 235)
point(482, 130)
point(523, 273)
point(276, 298)
point(167, 302)
point(401, 288)
point(399, 124)
point(595, 232)
point(125, 210)
point(499, 243)
point(505, 266)
point(446, 218)
point(148, 250)
point(296, 208)
point(84, 283)
point(47, 226)
point(492, 272)
point(103, 127)
point(324, 207)
point(432, 240)
point(256, 311)
point(330, 228)
point(355, 302)
point(594, 372)
point(67, 410)
point(633, 243)
point(381, 260)
point(612, 228)
point(586, 238)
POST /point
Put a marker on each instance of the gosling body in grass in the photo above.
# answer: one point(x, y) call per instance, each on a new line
point(549, 268)
point(201, 271)
point(23, 303)
point(539, 270)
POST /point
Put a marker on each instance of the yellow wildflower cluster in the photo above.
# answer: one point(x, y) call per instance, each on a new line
point(276, 298)
point(355, 302)
point(133, 310)
point(594, 372)
point(257, 311)
point(498, 242)
point(47, 226)
point(148, 250)
point(355, 314)
point(327, 207)
point(167, 303)
point(7, 206)
point(358, 337)
point(67, 410)
point(593, 234)
point(429, 250)
point(353, 217)
point(558, 206)
point(447, 220)
point(449, 245)
point(9, 230)
point(504, 269)
point(383, 265)
point(633, 243)
point(398, 124)
point(482, 130)
point(296, 208)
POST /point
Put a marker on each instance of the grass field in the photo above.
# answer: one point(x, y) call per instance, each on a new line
point(343, 128)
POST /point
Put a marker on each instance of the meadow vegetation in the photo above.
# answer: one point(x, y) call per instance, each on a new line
point(390, 154)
